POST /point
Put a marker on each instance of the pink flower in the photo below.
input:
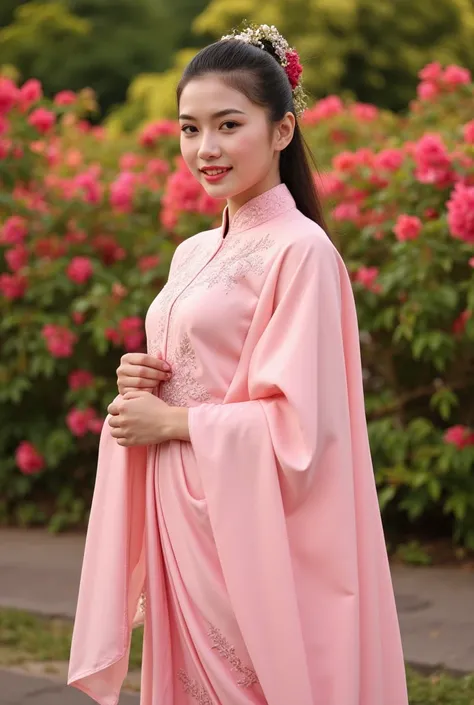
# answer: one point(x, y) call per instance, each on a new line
point(13, 286)
point(427, 90)
point(461, 213)
point(468, 132)
point(122, 192)
point(79, 420)
point(329, 184)
point(16, 257)
point(132, 342)
point(65, 98)
point(43, 120)
point(345, 161)
point(28, 459)
point(95, 425)
point(80, 269)
point(389, 159)
point(456, 76)
point(460, 436)
point(130, 324)
point(364, 112)
point(471, 262)
point(14, 230)
point(431, 72)
point(59, 340)
point(157, 167)
point(407, 227)
point(184, 194)
point(152, 133)
point(346, 212)
point(323, 110)
point(80, 379)
point(30, 92)
point(8, 94)
point(432, 161)
point(366, 276)
point(90, 186)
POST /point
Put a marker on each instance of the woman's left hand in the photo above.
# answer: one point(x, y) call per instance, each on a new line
point(139, 418)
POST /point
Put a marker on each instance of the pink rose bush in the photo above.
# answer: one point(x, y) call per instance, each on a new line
point(88, 226)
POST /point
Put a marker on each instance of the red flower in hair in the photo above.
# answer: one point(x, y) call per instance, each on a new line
point(293, 68)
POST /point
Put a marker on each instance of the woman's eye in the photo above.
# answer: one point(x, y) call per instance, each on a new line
point(185, 129)
point(231, 124)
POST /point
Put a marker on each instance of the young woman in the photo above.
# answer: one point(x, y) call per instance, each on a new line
point(237, 505)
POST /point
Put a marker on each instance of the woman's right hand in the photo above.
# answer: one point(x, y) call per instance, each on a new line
point(141, 371)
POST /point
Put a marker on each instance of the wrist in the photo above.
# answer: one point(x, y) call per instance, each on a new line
point(178, 426)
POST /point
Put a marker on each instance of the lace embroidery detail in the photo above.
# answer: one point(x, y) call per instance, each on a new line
point(196, 691)
point(262, 208)
point(224, 649)
point(142, 604)
point(183, 385)
point(169, 291)
point(237, 262)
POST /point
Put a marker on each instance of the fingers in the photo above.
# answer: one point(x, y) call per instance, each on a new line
point(144, 360)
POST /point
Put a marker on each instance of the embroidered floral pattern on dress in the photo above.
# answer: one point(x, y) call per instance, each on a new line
point(183, 385)
point(224, 649)
point(142, 604)
point(258, 210)
point(196, 691)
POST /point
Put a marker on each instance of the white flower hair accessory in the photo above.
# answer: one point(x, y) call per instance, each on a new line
point(263, 35)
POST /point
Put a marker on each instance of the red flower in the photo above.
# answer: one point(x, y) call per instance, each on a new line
point(122, 192)
point(459, 325)
point(14, 230)
point(293, 68)
point(364, 112)
point(366, 276)
point(43, 120)
point(460, 436)
point(59, 340)
point(13, 286)
point(80, 269)
point(152, 133)
point(407, 227)
point(148, 262)
point(80, 379)
point(79, 420)
point(427, 90)
point(28, 459)
point(16, 257)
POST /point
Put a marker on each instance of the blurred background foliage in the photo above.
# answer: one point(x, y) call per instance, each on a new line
point(131, 52)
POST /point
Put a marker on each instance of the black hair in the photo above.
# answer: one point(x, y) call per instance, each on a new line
point(260, 77)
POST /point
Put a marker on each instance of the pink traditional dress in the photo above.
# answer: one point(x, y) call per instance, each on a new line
point(258, 546)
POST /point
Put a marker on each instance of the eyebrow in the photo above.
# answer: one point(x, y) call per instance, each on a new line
point(220, 113)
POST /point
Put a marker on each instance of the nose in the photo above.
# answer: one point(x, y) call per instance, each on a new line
point(209, 147)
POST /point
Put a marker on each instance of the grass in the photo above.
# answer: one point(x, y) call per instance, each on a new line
point(28, 638)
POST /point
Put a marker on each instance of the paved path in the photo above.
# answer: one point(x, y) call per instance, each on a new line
point(40, 573)
point(16, 689)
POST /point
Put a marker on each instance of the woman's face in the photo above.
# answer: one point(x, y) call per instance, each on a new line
point(227, 141)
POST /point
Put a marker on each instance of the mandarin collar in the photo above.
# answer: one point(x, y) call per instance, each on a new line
point(258, 210)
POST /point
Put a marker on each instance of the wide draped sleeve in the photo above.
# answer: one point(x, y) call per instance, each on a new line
point(291, 497)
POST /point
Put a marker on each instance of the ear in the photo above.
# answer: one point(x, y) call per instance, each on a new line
point(284, 132)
